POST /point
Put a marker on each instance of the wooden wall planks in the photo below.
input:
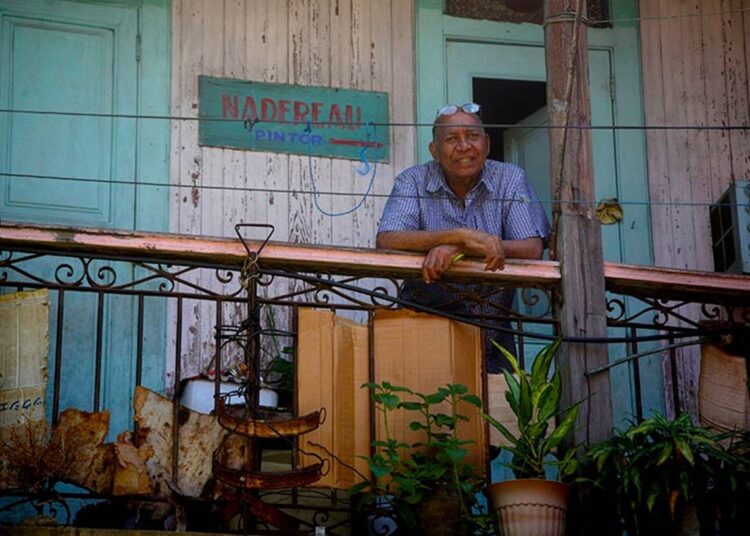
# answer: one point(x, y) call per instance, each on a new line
point(355, 44)
point(695, 72)
point(695, 63)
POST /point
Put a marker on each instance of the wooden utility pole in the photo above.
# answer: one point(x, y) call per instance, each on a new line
point(576, 240)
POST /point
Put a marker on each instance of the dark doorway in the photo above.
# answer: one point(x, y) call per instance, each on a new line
point(506, 102)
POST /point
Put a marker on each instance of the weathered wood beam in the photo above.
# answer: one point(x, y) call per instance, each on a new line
point(645, 281)
point(673, 284)
point(229, 252)
point(577, 240)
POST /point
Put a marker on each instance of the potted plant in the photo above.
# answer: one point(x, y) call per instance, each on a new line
point(673, 477)
point(425, 485)
point(532, 503)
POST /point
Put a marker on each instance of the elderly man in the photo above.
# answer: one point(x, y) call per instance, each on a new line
point(463, 204)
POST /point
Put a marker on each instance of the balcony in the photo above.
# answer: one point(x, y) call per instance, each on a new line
point(132, 310)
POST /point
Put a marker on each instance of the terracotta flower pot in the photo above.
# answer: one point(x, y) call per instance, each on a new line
point(530, 506)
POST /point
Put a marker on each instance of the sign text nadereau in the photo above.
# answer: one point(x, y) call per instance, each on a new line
point(283, 118)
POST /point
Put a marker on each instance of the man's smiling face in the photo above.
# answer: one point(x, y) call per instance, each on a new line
point(460, 146)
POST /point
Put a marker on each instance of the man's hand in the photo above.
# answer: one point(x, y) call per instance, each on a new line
point(481, 244)
point(438, 261)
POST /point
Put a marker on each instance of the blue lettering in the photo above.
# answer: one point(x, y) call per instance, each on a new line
point(317, 140)
point(259, 134)
point(278, 136)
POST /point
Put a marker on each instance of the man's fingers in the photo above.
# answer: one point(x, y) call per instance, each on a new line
point(493, 263)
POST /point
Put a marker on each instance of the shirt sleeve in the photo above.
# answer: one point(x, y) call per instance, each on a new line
point(524, 214)
point(401, 211)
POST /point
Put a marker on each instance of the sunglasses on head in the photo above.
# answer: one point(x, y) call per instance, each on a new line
point(468, 108)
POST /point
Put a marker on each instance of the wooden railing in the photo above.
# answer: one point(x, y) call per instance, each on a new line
point(655, 282)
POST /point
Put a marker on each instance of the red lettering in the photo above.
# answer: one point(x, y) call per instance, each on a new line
point(229, 105)
point(249, 107)
point(334, 115)
point(268, 109)
point(301, 110)
point(349, 115)
point(283, 109)
point(316, 111)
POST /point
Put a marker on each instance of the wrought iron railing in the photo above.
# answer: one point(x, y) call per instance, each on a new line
point(134, 309)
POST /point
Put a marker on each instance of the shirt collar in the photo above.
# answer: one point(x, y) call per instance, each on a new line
point(436, 179)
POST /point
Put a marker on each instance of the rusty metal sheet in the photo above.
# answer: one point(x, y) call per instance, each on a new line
point(199, 436)
point(80, 436)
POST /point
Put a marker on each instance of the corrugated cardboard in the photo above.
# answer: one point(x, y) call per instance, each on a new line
point(24, 326)
point(419, 351)
point(424, 352)
point(331, 365)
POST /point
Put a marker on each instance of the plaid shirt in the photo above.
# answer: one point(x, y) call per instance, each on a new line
point(501, 203)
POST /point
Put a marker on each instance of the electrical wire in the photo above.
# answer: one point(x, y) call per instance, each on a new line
point(318, 192)
point(373, 123)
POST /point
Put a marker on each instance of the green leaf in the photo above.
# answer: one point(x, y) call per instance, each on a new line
point(539, 394)
point(563, 429)
point(684, 447)
point(474, 400)
point(411, 406)
point(513, 394)
point(457, 389)
point(441, 419)
point(436, 398)
point(511, 359)
point(379, 470)
point(387, 400)
point(500, 427)
point(536, 430)
point(456, 454)
point(546, 405)
point(666, 452)
point(542, 362)
point(417, 426)
point(524, 406)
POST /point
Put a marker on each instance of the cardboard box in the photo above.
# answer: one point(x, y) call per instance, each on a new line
point(415, 350)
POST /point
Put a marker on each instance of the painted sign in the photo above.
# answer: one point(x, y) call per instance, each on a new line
point(282, 118)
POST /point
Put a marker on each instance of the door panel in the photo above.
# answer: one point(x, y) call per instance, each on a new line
point(64, 57)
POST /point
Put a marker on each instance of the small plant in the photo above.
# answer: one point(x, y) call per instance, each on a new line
point(659, 469)
point(534, 399)
point(406, 474)
point(283, 369)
